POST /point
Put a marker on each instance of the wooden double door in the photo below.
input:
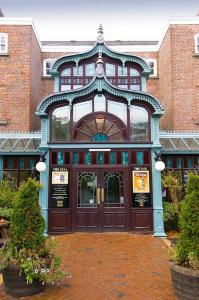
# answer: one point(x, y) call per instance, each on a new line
point(100, 199)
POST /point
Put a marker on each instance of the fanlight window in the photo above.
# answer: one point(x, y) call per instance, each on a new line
point(60, 123)
point(100, 127)
point(139, 124)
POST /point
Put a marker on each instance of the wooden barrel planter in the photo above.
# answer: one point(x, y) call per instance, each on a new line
point(185, 282)
point(16, 284)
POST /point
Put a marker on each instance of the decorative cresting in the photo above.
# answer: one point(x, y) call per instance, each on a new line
point(100, 47)
point(99, 85)
point(100, 127)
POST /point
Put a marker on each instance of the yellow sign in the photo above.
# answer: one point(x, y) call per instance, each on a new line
point(141, 182)
point(60, 177)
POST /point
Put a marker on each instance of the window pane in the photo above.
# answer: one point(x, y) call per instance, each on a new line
point(90, 69)
point(134, 72)
point(77, 86)
point(78, 71)
point(139, 158)
point(81, 109)
point(65, 87)
point(123, 86)
point(118, 109)
point(60, 124)
point(122, 71)
point(139, 123)
point(135, 87)
point(99, 103)
point(66, 72)
point(110, 70)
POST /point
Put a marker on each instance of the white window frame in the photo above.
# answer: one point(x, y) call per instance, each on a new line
point(154, 61)
point(196, 41)
point(45, 61)
point(5, 35)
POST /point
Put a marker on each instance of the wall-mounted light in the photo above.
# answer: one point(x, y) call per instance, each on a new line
point(41, 165)
point(159, 164)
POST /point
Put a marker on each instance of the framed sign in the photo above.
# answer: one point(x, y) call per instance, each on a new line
point(60, 177)
point(141, 182)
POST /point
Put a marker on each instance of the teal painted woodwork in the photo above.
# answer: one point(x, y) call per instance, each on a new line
point(104, 49)
point(112, 158)
point(139, 157)
point(189, 162)
point(88, 158)
point(60, 158)
point(158, 224)
point(125, 158)
point(10, 163)
point(169, 163)
point(32, 164)
point(75, 158)
point(179, 162)
point(1, 167)
point(43, 192)
point(100, 158)
point(100, 137)
point(21, 164)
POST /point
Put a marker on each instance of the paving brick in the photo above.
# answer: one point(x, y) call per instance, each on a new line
point(111, 266)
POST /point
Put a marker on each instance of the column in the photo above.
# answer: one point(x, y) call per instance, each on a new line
point(43, 192)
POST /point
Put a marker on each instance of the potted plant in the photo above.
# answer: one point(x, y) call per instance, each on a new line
point(27, 260)
point(185, 255)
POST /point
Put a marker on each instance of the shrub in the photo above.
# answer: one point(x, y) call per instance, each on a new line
point(7, 194)
point(27, 224)
point(187, 249)
point(28, 248)
point(171, 216)
point(172, 182)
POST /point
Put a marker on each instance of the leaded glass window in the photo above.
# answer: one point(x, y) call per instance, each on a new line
point(60, 123)
point(139, 124)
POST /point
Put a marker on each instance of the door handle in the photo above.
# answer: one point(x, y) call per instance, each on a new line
point(102, 195)
point(98, 195)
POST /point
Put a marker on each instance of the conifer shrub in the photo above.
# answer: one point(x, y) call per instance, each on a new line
point(187, 249)
point(27, 224)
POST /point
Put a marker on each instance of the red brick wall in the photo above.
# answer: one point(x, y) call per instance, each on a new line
point(185, 77)
point(179, 80)
point(15, 79)
point(36, 84)
point(165, 82)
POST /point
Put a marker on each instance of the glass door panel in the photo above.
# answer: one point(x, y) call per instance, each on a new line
point(87, 186)
point(113, 189)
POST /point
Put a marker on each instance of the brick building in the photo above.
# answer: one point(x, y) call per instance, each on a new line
point(41, 77)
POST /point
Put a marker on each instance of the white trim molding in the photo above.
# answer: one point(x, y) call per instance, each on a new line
point(3, 43)
point(152, 63)
point(196, 42)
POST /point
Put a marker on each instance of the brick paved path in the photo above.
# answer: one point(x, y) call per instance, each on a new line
point(111, 266)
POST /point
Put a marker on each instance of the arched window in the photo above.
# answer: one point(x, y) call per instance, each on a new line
point(139, 124)
point(60, 123)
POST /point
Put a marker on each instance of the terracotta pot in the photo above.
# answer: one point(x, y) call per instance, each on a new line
point(185, 282)
point(16, 285)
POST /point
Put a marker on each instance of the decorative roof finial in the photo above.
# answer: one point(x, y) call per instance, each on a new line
point(100, 66)
point(100, 36)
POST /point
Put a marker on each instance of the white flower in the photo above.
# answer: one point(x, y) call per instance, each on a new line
point(47, 270)
point(29, 258)
point(36, 271)
point(43, 271)
point(53, 237)
point(43, 283)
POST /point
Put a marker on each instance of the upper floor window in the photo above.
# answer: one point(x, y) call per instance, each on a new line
point(3, 43)
point(196, 37)
point(47, 65)
point(74, 77)
point(152, 63)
